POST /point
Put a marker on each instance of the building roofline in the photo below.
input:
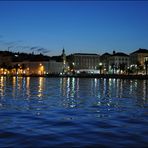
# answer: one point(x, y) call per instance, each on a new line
point(120, 54)
point(106, 53)
point(140, 50)
point(85, 54)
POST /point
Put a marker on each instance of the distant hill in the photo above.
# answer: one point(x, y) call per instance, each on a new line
point(19, 57)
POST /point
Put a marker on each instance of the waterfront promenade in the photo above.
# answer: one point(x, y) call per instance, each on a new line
point(116, 76)
point(113, 76)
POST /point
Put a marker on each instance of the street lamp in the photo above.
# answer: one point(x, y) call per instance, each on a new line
point(100, 67)
point(73, 67)
point(41, 69)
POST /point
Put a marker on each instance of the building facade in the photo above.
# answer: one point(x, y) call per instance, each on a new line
point(104, 59)
point(55, 67)
point(118, 62)
point(31, 67)
point(139, 61)
point(37, 67)
point(84, 61)
point(139, 57)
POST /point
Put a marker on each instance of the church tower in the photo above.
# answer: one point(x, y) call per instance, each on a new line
point(64, 60)
point(64, 57)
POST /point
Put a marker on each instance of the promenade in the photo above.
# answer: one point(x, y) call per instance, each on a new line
point(113, 76)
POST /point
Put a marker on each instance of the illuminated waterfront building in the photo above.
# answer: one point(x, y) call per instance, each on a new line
point(118, 62)
point(84, 61)
point(32, 67)
point(139, 56)
point(39, 67)
point(104, 59)
point(55, 67)
point(139, 61)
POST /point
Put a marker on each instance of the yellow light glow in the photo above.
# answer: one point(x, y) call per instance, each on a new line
point(40, 88)
point(1, 86)
point(41, 69)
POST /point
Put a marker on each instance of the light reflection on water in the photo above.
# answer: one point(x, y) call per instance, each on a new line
point(75, 111)
point(73, 90)
point(2, 88)
point(40, 87)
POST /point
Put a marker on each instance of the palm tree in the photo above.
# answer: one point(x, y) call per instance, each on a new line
point(16, 66)
point(146, 67)
point(3, 66)
point(113, 67)
point(9, 68)
point(122, 67)
point(23, 67)
point(100, 67)
point(137, 68)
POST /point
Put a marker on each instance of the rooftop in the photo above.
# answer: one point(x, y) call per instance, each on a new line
point(120, 54)
point(140, 51)
point(85, 54)
point(106, 54)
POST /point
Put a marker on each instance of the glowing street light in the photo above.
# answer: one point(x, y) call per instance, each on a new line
point(41, 69)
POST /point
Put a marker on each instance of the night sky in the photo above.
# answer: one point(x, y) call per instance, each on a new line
point(90, 27)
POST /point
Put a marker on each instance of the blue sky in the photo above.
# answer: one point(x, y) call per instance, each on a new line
point(91, 27)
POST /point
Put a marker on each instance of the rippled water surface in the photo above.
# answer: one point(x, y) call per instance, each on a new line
point(73, 112)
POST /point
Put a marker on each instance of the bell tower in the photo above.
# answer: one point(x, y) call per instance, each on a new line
point(64, 60)
point(64, 57)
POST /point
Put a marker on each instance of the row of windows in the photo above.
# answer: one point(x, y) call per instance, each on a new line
point(86, 66)
point(122, 59)
point(86, 63)
point(87, 60)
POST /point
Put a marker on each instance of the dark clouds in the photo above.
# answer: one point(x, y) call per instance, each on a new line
point(33, 48)
point(16, 46)
point(40, 49)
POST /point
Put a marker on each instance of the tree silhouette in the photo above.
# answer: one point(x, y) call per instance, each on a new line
point(146, 67)
point(23, 67)
point(113, 67)
point(100, 67)
point(16, 67)
point(3, 66)
point(122, 67)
